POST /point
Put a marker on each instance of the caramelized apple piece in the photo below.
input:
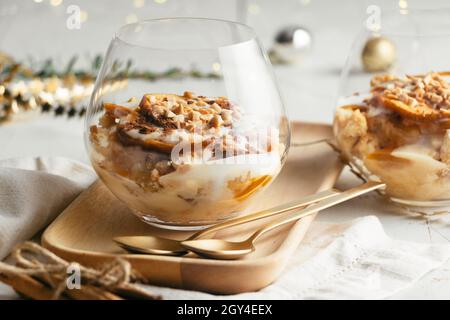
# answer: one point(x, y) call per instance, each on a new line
point(243, 190)
point(385, 155)
point(420, 112)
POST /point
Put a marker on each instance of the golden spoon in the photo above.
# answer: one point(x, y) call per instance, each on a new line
point(171, 247)
point(223, 249)
point(163, 246)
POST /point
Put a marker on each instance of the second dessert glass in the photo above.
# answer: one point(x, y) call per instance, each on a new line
point(393, 124)
point(199, 129)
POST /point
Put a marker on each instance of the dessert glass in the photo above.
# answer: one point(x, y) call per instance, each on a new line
point(200, 129)
point(394, 125)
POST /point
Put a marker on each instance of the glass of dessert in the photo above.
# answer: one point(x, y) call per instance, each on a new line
point(199, 130)
point(392, 121)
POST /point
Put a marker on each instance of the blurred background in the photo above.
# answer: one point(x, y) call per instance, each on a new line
point(48, 34)
point(36, 30)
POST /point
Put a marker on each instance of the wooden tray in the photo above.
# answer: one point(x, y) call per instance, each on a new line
point(83, 232)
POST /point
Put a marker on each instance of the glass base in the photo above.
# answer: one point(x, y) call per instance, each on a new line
point(423, 204)
point(173, 226)
point(417, 206)
point(422, 208)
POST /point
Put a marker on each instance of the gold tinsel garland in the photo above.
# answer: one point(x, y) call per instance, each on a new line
point(45, 89)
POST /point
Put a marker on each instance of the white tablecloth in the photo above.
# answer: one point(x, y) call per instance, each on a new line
point(352, 260)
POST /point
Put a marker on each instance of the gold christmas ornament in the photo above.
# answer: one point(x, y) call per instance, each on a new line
point(378, 54)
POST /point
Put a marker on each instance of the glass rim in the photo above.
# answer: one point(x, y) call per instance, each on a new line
point(118, 35)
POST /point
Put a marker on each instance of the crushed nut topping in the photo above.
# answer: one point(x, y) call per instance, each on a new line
point(186, 112)
point(422, 97)
point(161, 121)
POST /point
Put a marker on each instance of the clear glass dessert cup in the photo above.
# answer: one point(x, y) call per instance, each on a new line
point(392, 121)
point(185, 124)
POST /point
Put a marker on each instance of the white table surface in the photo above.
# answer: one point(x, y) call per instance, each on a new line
point(308, 91)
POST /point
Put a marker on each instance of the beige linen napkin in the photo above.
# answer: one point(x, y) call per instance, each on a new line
point(353, 260)
point(33, 191)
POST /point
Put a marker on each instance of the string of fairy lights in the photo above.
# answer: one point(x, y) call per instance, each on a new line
point(253, 7)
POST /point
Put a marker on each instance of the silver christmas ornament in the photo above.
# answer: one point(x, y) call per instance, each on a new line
point(291, 44)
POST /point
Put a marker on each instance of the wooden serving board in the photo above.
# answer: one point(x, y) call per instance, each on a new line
point(84, 231)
